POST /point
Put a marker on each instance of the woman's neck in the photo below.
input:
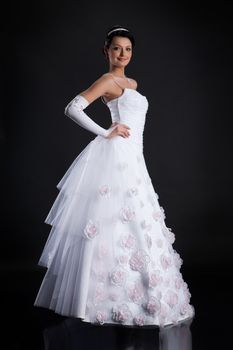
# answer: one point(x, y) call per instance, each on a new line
point(118, 73)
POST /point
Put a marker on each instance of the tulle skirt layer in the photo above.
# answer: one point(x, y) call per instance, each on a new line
point(109, 254)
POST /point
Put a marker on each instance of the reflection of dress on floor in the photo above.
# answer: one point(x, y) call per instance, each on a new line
point(109, 254)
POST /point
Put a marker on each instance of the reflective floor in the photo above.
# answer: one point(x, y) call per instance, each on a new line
point(28, 327)
point(70, 334)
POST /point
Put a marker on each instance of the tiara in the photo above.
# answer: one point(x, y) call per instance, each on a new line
point(117, 29)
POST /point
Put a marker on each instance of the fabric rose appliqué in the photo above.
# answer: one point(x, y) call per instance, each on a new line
point(136, 292)
point(188, 309)
point(155, 278)
point(132, 191)
point(121, 313)
point(91, 229)
point(159, 215)
point(177, 260)
point(165, 261)
point(152, 306)
point(118, 276)
point(139, 260)
point(139, 320)
point(103, 250)
point(171, 298)
point(128, 241)
point(127, 214)
point(101, 316)
point(178, 282)
point(99, 295)
point(105, 191)
point(167, 232)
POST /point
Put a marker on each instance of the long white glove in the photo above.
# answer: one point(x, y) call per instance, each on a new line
point(74, 110)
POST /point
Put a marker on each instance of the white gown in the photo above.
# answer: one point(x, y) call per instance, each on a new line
point(109, 254)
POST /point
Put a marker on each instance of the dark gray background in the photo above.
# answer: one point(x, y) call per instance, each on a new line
point(182, 62)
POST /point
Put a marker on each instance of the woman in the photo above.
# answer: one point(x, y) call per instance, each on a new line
point(109, 254)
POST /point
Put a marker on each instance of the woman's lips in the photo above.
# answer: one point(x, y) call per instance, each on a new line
point(122, 59)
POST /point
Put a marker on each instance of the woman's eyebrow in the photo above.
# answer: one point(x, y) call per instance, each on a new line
point(122, 46)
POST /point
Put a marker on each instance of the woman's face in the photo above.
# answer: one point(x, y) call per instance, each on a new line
point(120, 51)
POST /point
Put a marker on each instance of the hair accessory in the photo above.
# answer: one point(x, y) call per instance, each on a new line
point(117, 29)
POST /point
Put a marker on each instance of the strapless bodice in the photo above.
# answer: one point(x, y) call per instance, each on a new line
point(130, 108)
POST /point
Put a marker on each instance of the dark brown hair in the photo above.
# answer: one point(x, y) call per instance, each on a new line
point(120, 32)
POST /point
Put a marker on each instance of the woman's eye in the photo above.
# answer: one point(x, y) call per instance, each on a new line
point(116, 48)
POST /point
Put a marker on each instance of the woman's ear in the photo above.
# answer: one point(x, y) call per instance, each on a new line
point(105, 52)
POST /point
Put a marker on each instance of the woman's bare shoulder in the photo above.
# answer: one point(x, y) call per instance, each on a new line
point(101, 86)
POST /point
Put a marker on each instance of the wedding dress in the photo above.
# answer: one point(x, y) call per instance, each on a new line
point(109, 255)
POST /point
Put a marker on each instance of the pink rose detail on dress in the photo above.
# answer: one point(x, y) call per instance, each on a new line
point(105, 191)
point(99, 295)
point(155, 278)
point(186, 291)
point(169, 234)
point(127, 214)
point(171, 298)
point(103, 250)
point(92, 229)
point(133, 191)
point(159, 215)
point(139, 260)
point(121, 313)
point(178, 282)
point(177, 260)
point(102, 276)
point(190, 311)
point(148, 240)
point(118, 276)
point(136, 292)
point(139, 320)
point(101, 317)
point(152, 306)
point(184, 308)
point(128, 241)
point(165, 261)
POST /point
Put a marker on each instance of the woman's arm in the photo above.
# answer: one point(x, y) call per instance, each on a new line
point(74, 109)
